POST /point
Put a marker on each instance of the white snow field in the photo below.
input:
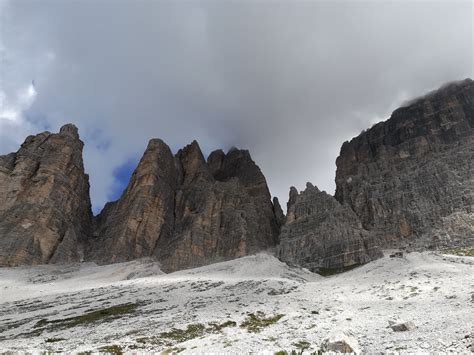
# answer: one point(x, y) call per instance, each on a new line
point(254, 304)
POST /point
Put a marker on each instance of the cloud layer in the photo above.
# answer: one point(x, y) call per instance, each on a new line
point(290, 81)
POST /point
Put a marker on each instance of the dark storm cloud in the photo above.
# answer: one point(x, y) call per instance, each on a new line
point(290, 81)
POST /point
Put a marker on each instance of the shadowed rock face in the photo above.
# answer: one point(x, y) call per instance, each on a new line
point(277, 210)
point(321, 234)
point(45, 211)
point(188, 212)
point(411, 176)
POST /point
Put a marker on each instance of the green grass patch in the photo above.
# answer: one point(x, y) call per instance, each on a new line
point(173, 351)
point(256, 322)
point(253, 323)
point(192, 331)
point(111, 349)
point(106, 314)
point(323, 271)
point(465, 251)
point(54, 340)
point(180, 335)
point(400, 348)
point(302, 345)
point(214, 327)
point(295, 352)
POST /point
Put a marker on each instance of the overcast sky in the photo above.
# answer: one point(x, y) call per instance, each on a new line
point(290, 81)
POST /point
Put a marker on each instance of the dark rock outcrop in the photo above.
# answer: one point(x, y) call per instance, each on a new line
point(410, 178)
point(45, 211)
point(278, 211)
point(187, 212)
point(323, 235)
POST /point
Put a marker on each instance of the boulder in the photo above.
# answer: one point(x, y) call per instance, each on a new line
point(401, 326)
point(341, 342)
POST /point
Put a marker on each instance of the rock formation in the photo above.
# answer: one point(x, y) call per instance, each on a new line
point(410, 176)
point(277, 210)
point(322, 235)
point(143, 217)
point(45, 212)
point(187, 212)
point(341, 342)
point(408, 181)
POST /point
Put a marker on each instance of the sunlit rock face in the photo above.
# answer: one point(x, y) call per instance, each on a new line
point(143, 217)
point(323, 235)
point(410, 179)
point(45, 211)
point(187, 212)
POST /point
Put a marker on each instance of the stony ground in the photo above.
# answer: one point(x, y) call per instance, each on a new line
point(253, 304)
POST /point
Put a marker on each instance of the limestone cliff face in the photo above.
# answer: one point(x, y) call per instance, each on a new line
point(45, 211)
point(187, 212)
point(133, 226)
point(411, 176)
point(408, 181)
point(321, 234)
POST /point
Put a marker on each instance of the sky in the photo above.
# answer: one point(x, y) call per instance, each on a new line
point(288, 80)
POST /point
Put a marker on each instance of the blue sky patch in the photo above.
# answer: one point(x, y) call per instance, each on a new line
point(122, 176)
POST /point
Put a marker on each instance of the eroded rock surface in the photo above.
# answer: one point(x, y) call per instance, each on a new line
point(188, 212)
point(408, 181)
point(341, 342)
point(143, 217)
point(401, 326)
point(411, 176)
point(323, 235)
point(45, 211)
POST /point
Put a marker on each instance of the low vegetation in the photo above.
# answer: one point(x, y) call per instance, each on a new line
point(106, 314)
point(334, 271)
point(302, 345)
point(295, 352)
point(466, 251)
point(254, 323)
point(218, 327)
point(54, 340)
point(111, 349)
point(172, 351)
point(176, 335)
point(179, 335)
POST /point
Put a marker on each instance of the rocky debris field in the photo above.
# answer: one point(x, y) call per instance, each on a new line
point(419, 302)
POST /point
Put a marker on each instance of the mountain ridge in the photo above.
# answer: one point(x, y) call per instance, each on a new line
point(405, 182)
